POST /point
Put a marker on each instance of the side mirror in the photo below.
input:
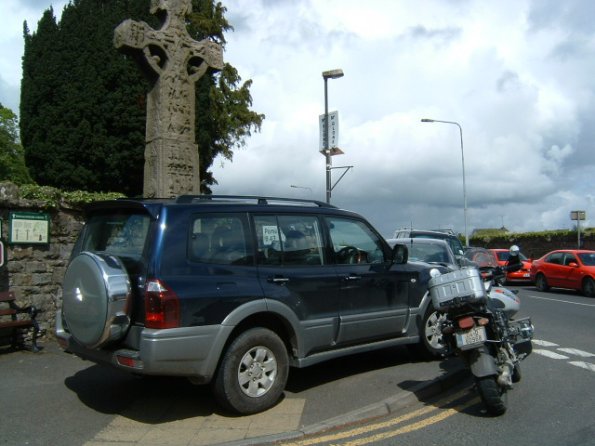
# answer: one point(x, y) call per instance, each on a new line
point(573, 265)
point(400, 254)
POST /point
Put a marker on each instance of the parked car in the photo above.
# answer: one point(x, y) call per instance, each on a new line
point(428, 250)
point(521, 276)
point(571, 268)
point(234, 291)
point(455, 244)
point(434, 252)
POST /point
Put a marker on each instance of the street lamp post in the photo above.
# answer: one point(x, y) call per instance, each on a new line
point(463, 163)
point(326, 75)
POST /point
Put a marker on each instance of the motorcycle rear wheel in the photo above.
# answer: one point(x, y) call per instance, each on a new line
point(492, 395)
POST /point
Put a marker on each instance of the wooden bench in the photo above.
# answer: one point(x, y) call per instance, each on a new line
point(16, 321)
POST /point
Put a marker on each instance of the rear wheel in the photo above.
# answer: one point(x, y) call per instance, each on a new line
point(492, 395)
point(541, 283)
point(253, 372)
point(588, 287)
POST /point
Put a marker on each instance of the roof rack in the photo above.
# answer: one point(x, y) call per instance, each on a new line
point(255, 199)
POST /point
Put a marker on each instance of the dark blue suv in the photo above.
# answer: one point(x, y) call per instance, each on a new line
point(235, 290)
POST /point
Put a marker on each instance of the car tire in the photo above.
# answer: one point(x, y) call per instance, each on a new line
point(588, 287)
point(432, 344)
point(96, 299)
point(541, 283)
point(253, 372)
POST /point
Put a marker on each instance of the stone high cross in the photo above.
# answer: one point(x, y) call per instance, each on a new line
point(173, 62)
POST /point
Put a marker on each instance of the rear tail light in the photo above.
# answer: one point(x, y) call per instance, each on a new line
point(466, 323)
point(162, 306)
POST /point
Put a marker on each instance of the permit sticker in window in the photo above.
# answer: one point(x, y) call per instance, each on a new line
point(270, 234)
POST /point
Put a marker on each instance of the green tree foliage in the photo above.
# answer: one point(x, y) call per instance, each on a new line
point(12, 161)
point(83, 103)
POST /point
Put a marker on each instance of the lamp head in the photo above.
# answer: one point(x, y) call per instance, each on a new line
point(332, 74)
point(427, 120)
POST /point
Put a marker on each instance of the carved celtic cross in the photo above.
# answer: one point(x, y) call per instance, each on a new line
point(173, 62)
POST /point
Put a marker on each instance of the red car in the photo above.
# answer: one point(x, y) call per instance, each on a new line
point(570, 268)
point(521, 276)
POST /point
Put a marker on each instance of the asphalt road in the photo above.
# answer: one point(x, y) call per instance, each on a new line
point(553, 405)
point(53, 397)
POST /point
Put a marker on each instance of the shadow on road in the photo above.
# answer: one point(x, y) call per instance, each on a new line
point(146, 399)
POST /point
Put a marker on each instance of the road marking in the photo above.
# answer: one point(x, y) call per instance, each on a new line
point(412, 427)
point(440, 404)
point(570, 351)
point(575, 352)
point(544, 343)
point(550, 354)
point(584, 365)
point(558, 300)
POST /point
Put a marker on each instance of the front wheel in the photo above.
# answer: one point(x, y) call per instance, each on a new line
point(492, 395)
point(432, 344)
point(253, 372)
point(432, 337)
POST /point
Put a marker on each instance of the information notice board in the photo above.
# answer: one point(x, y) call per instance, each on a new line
point(29, 227)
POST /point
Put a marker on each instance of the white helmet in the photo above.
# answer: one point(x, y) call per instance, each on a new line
point(514, 250)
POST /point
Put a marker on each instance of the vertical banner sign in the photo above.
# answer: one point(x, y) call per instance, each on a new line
point(333, 130)
point(29, 227)
point(578, 216)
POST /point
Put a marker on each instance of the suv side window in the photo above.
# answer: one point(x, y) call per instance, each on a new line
point(354, 242)
point(219, 239)
point(289, 240)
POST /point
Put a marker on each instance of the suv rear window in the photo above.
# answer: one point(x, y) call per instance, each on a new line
point(122, 235)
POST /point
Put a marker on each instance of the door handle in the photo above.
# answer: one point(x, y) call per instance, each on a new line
point(353, 277)
point(278, 279)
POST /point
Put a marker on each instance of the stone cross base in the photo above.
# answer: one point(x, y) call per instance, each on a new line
point(171, 168)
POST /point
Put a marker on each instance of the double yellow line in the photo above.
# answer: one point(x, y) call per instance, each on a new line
point(370, 428)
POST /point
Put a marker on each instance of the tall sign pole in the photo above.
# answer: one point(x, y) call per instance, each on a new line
point(326, 75)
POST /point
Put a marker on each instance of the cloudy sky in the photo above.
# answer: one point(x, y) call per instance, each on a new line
point(517, 75)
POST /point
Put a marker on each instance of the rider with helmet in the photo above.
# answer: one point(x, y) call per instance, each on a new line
point(514, 258)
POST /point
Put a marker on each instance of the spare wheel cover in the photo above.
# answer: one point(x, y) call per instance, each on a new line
point(96, 295)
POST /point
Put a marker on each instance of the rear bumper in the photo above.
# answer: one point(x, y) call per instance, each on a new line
point(192, 352)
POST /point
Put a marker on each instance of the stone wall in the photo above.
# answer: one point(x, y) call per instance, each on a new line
point(35, 272)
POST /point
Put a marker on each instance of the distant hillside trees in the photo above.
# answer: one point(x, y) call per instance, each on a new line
point(82, 115)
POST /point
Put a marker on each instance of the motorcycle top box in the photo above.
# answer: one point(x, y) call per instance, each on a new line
point(459, 287)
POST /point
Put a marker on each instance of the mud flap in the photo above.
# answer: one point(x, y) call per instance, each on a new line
point(482, 364)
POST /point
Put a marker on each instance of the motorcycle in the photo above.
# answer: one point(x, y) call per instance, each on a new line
point(478, 325)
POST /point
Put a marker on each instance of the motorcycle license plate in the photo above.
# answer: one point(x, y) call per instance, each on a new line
point(471, 338)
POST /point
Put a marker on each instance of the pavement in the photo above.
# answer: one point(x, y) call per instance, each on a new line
point(53, 397)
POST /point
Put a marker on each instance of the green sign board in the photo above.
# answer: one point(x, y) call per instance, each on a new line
point(29, 227)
